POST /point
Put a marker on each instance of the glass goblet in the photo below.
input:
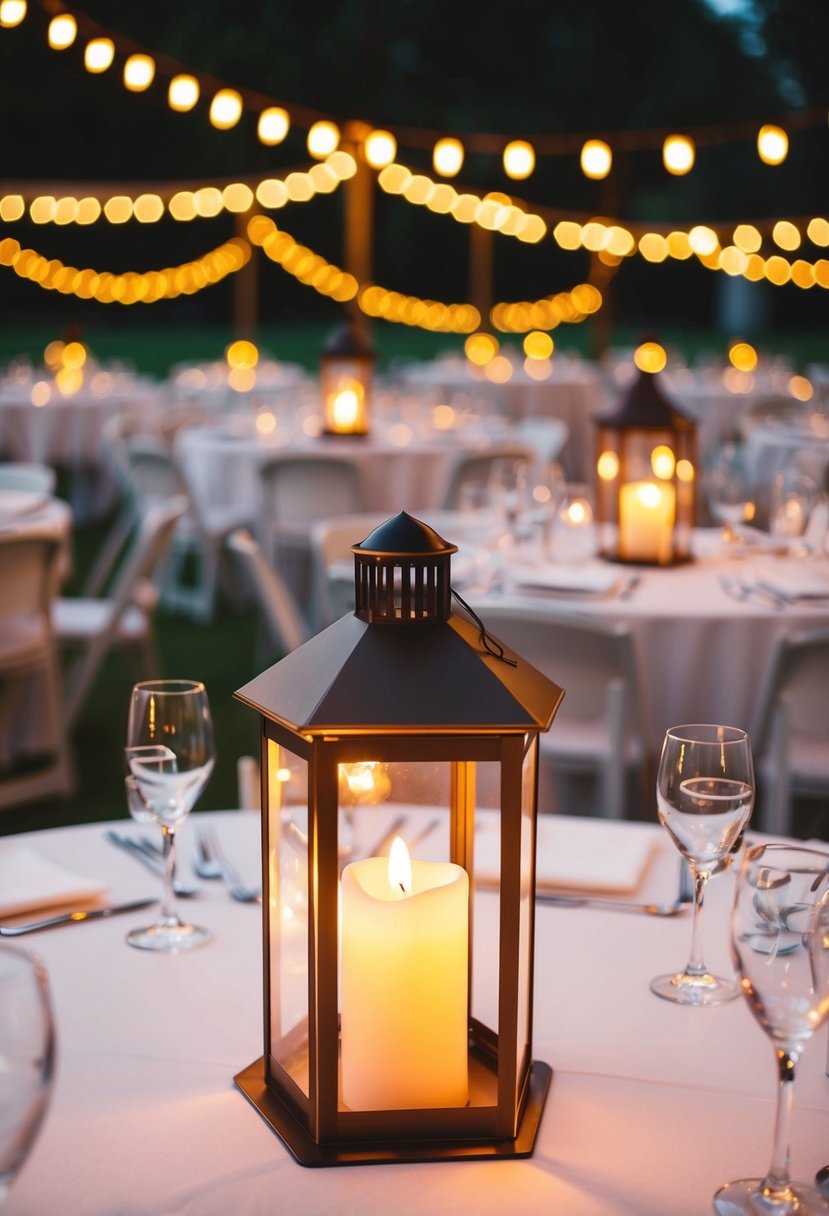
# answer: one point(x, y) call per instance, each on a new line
point(780, 944)
point(27, 1054)
point(704, 798)
point(170, 757)
point(729, 490)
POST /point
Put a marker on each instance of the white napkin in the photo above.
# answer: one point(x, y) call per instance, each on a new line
point(795, 580)
point(29, 881)
point(587, 579)
point(574, 854)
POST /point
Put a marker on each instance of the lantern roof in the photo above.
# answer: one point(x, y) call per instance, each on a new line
point(348, 340)
point(404, 536)
point(646, 405)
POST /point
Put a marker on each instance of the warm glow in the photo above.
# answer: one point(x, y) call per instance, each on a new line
point(400, 867)
point(498, 370)
point(139, 72)
point(663, 462)
point(703, 240)
point(607, 466)
point(567, 234)
point(578, 512)
point(785, 235)
point(40, 394)
point(225, 109)
point(801, 388)
point(68, 380)
point(183, 93)
point(444, 418)
point(74, 354)
point(345, 409)
point(12, 207)
point(772, 144)
point(237, 197)
point(12, 12)
point(480, 348)
point(273, 125)
point(596, 159)
point(53, 354)
point(118, 209)
point(380, 149)
point(242, 354)
point(678, 154)
point(266, 422)
point(650, 357)
point(538, 345)
point(743, 356)
point(684, 470)
point(747, 238)
point(323, 139)
point(519, 159)
point(447, 157)
point(653, 247)
point(241, 379)
point(538, 369)
point(98, 54)
point(63, 30)
point(817, 231)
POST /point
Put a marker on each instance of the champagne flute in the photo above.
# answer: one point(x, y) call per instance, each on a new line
point(170, 757)
point(704, 798)
point(780, 944)
point(27, 1055)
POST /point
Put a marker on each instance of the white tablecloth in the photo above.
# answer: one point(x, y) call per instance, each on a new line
point(652, 1106)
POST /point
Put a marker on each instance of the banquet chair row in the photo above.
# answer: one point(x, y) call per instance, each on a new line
point(282, 625)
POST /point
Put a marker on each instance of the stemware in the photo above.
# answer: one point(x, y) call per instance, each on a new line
point(27, 1054)
point(704, 798)
point(169, 755)
point(780, 945)
point(728, 489)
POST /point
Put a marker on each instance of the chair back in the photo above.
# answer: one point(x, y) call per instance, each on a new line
point(332, 563)
point(27, 581)
point(27, 475)
point(297, 491)
point(283, 620)
point(478, 467)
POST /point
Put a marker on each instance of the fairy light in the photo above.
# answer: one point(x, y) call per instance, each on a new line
point(447, 156)
point(273, 125)
point(12, 12)
point(323, 139)
point(678, 154)
point(747, 238)
point(98, 55)
point(596, 159)
point(519, 159)
point(817, 231)
point(62, 32)
point(481, 348)
point(772, 144)
point(538, 345)
point(139, 73)
point(380, 149)
point(743, 356)
point(183, 93)
point(650, 357)
point(225, 109)
point(785, 235)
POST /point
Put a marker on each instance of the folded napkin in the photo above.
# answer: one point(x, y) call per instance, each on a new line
point(29, 881)
point(575, 580)
point(574, 854)
point(796, 581)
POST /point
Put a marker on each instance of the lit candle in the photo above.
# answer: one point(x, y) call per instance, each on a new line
point(405, 952)
point(345, 408)
point(646, 520)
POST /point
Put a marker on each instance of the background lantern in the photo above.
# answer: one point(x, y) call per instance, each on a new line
point(427, 1053)
point(646, 477)
point(346, 369)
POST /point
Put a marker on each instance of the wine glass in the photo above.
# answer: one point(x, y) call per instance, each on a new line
point(729, 490)
point(704, 798)
point(169, 755)
point(780, 944)
point(27, 1056)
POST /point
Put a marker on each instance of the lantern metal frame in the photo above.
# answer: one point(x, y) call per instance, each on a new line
point(443, 692)
point(348, 354)
point(645, 420)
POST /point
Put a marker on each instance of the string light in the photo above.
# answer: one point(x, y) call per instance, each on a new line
point(225, 109)
point(98, 55)
point(139, 73)
point(596, 159)
point(62, 32)
point(273, 126)
point(380, 149)
point(772, 144)
point(323, 139)
point(12, 12)
point(519, 159)
point(678, 154)
point(183, 93)
point(447, 157)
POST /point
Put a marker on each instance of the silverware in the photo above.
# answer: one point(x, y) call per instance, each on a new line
point(150, 859)
point(238, 889)
point(609, 905)
point(630, 586)
point(206, 865)
point(75, 918)
point(766, 597)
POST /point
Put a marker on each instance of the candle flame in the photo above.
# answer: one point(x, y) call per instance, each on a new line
point(346, 408)
point(400, 866)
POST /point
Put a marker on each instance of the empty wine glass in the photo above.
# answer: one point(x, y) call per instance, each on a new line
point(728, 488)
point(27, 1055)
point(704, 798)
point(780, 944)
point(169, 755)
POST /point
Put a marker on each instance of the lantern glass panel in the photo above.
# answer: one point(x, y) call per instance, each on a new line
point(288, 912)
point(525, 945)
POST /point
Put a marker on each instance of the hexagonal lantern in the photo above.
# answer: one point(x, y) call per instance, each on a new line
point(398, 989)
point(646, 483)
point(346, 373)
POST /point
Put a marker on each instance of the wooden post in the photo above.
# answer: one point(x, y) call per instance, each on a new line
point(359, 210)
point(480, 271)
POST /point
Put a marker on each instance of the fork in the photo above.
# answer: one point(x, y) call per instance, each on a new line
point(211, 849)
point(150, 859)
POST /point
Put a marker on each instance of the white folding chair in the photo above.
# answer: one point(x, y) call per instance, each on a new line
point(297, 492)
point(332, 564)
point(478, 466)
point(94, 626)
point(284, 625)
point(31, 719)
point(600, 728)
point(27, 475)
point(791, 733)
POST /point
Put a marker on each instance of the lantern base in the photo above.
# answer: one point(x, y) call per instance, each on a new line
point(680, 560)
point(308, 1152)
point(344, 434)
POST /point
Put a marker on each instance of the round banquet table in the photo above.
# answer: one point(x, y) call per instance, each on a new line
point(652, 1106)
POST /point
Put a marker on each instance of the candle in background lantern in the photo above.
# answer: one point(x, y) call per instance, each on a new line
point(405, 957)
point(345, 408)
point(646, 520)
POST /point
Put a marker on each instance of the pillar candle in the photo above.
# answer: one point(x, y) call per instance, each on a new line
point(404, 986)
point(646, 521)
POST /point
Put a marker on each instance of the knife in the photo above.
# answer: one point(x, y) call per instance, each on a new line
point(72, 918)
